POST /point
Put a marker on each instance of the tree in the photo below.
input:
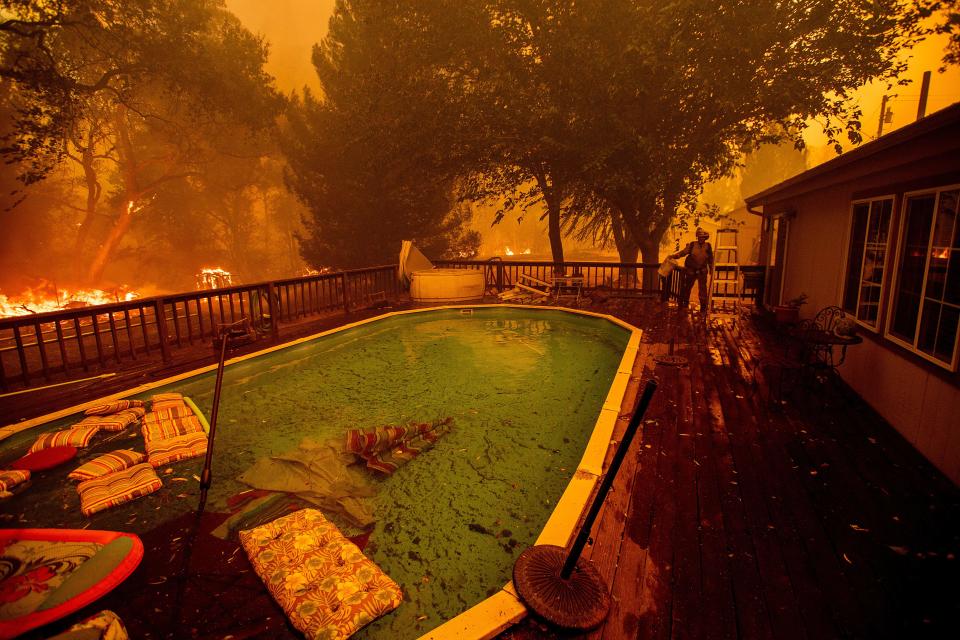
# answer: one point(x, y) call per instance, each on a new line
point(682, 90)
point(528, 149)
point(141, 93)
point(375, 157)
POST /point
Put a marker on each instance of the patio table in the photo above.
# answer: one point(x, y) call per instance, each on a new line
point(820, 345)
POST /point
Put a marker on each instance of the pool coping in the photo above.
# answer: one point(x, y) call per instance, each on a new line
point(497, 612)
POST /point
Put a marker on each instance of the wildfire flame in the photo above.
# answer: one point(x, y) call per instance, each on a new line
point(50, 298)
point(510, 252)
point(214, 278)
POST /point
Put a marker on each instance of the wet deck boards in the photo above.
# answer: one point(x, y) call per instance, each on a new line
point(735, 516)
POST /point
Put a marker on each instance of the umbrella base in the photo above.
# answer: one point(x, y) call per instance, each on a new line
point(579, 602)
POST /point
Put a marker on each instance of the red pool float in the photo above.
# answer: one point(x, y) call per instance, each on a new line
point(45, 458)
point(49, 573)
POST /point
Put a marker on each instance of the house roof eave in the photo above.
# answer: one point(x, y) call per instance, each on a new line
point(821, 174)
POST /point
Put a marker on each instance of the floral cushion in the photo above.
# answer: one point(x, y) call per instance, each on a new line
point(113, 422)
point(326, 586)
point(116, 488)
point(114, 407)
point(170, 428)
point(10, 479)
point(75, 437)
point(107, 463)
point(105, 625)
point(163, 452)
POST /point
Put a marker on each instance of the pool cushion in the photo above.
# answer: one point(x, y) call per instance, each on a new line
point(74, 437)
point(13, 478)
point(166, 400)
point(113, 407)
point(105, 625)
point(45, 458)
point(167, 450)
point(107, 463)
point(385, 449)
point(171, 428)
point(178, 411)
point(113, 422)
point(117, 488)
point(323, 582)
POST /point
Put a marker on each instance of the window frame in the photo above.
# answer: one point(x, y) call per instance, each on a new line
point(885, 280)
point(891, 299)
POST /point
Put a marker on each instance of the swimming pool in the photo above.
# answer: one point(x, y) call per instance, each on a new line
point(524, 387)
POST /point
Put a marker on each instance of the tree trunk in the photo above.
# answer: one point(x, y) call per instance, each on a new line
point(93, 197)
point(627, 249)
point(554, 200)
point(117, 231)
point(128, 172)
point(650, 252)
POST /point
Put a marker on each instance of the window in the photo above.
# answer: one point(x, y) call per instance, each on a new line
point(926, 297)
point(867, 259)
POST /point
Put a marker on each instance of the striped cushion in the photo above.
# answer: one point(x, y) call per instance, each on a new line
point(180, 411)
point(113, 407)
point(75, 437)
point(162, 397)
point(166, 400)
point(107, 463)
point(191, 445)
point(114, 422)
point(10, 479)
point(116, 488)
point(170, 428)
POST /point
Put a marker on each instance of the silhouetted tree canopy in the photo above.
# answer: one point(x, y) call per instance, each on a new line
point(375, 157)
point(614, 112)
point(142, 96)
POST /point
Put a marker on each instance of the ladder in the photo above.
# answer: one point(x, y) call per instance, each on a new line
point(725, 288)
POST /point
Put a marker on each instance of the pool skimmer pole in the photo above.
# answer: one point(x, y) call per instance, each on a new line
point(225, 333)
point(553, 583)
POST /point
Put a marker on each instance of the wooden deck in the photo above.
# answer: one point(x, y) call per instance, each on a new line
point(735, 518)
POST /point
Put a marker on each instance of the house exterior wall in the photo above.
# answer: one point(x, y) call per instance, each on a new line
point(920, 399)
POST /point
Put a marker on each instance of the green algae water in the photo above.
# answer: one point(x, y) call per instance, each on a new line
point(523, 387)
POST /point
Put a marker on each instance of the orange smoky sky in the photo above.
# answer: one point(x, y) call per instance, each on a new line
point(291, 27)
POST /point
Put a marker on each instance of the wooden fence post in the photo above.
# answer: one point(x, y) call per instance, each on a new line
point(160, 313)
point(272, 307)
point(343, 288)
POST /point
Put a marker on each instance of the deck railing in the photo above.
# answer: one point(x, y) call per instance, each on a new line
point(66, 345)
point(44, 347)
point(634, 277)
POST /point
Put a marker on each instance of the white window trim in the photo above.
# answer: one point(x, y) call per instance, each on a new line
point(885, 280)
point(936, 191)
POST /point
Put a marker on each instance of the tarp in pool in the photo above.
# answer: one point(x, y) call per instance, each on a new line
point(332, 476)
